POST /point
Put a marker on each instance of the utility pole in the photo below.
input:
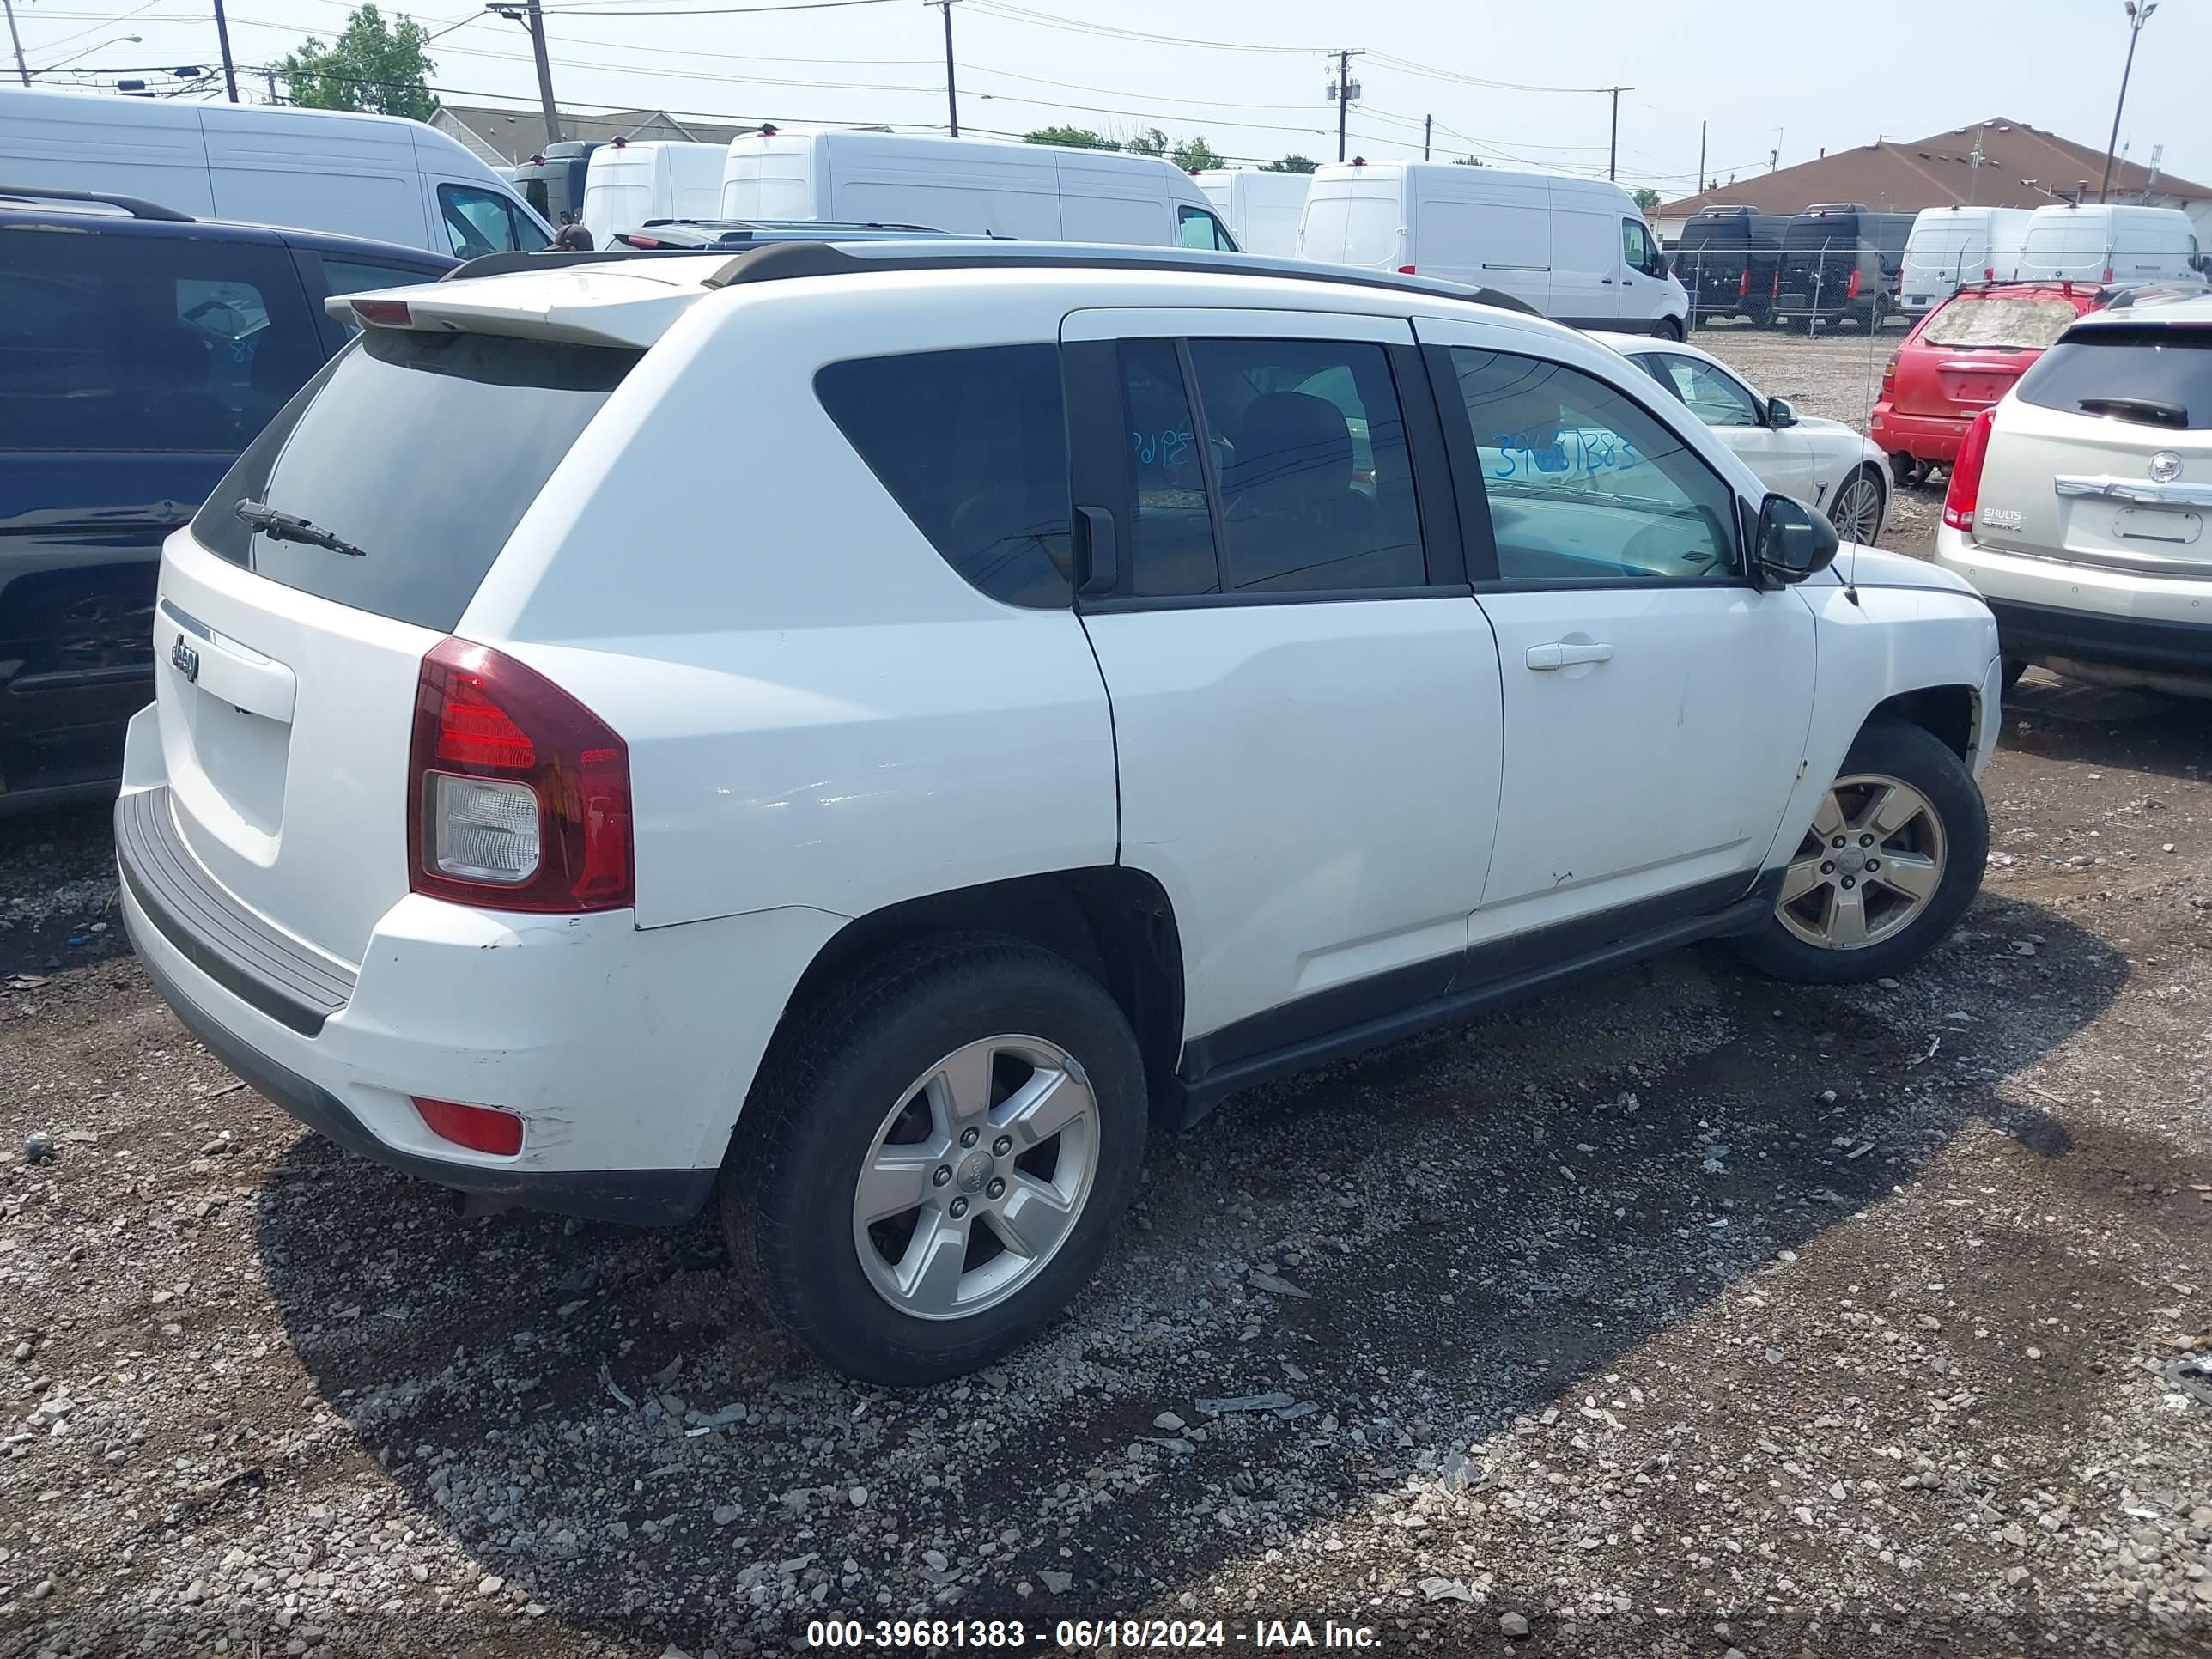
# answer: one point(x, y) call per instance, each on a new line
point(537, 26)
point(2139, 12)
point(1428, 122)
point(951, 86)
point(22, 68)
point(1613, 158)
point(222, 34)
point(1344, 89)
point(532, 19)
point(1701, 157)
point(273, 98)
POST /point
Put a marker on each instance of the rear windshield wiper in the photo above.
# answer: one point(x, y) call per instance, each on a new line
point(2149, 410)
point(281, 526)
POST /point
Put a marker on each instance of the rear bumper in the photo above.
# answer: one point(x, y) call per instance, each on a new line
point(1923, 437)
point(2102, 624)
point(627, 1053)
point(649, 1198)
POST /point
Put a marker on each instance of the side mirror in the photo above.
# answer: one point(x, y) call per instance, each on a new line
point(1793, 541)
point(1779, 414)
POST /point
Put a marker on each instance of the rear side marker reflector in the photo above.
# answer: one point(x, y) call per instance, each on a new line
point(479, 1129)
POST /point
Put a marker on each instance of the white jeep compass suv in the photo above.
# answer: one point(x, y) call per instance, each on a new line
point(868, 734)
point(2077, 504)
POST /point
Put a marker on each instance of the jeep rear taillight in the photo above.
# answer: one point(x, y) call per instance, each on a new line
point(518, 796)
point(1965, 492)
point(1889, 375)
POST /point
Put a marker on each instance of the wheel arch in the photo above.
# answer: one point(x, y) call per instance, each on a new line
point(1951, 713)
point(1114, 922)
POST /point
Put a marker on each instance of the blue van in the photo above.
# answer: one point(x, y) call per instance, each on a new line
point(141, 350)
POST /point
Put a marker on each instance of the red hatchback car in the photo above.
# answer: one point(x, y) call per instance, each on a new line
point(1964, 357)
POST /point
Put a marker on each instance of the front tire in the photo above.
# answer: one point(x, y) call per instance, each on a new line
point(1892, 858)
point(1669, 328)
point(1859, 506)
point(930, 1163)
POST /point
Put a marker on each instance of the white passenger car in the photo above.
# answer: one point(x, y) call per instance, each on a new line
point(1822, 463)
point(1132, 676)
point(2077, 504)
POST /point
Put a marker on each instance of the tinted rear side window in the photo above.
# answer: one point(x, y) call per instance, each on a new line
point(124, 343)
point(424, 450)
point(2156, 377)
point(972, 446)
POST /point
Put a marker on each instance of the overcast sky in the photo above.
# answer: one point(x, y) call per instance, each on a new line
point(1797, 77)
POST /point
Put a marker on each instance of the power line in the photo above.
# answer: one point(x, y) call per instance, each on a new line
point(1412, 68)
point(1050, 20)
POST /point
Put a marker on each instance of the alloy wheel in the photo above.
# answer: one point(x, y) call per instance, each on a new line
point(1868, 867)
point(1858, 510)
point(976, 1177)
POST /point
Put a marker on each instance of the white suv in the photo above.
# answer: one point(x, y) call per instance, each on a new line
point(877, 731)
point(2077, 504)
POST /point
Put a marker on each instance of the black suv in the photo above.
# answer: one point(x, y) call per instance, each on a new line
point(1841, 261)
point(1727, 258)
point(140, 351)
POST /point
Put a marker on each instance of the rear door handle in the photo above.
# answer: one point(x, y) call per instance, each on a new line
point(1544, 657)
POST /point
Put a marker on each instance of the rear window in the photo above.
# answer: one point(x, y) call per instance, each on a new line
point(130, 342)
point(424, 450)
point(2156, 377)
point(2021, 322)
point(972, 446)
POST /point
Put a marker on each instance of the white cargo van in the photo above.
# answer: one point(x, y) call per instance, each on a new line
point(972, 186)
point(626, 184)
point(1576, 249)
point(378, 176)
point(1260, 209)
point(1951, 246)
point(2101, 242)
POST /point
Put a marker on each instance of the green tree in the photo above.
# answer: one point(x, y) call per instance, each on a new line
point(1151, 142)
point(1073, 138)
point(1468, 161)
point(1194, 154)
point(372, 65)
point(1292, 163)
point(1647, 198)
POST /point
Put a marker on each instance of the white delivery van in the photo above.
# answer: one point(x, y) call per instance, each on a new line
point(1260, 209)
point(378, 176)
point(1576, 249)
point(972, 186)
point(2101, 242)
point(1951, 246)
point(627, 184)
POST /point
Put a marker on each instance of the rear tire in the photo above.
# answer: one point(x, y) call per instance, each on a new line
point(890, 1087)
point(1930, 835)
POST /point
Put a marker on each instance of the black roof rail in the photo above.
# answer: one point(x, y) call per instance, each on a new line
point(499, 265)
point(136, 206)
point(780, 261)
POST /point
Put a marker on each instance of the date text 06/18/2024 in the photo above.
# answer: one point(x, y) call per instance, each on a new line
point(1086, 1635)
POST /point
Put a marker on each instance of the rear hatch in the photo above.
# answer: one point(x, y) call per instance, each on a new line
point(1820, 253)
point(287, 670)
point(2103, 456)
point(1714, 260)
point(1936, 260)
point(1971, 351)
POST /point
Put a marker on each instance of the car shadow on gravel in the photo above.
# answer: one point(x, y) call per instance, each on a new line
point(1414, 1247)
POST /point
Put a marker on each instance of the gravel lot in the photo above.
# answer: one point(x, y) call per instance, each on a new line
point(1679, 1314)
